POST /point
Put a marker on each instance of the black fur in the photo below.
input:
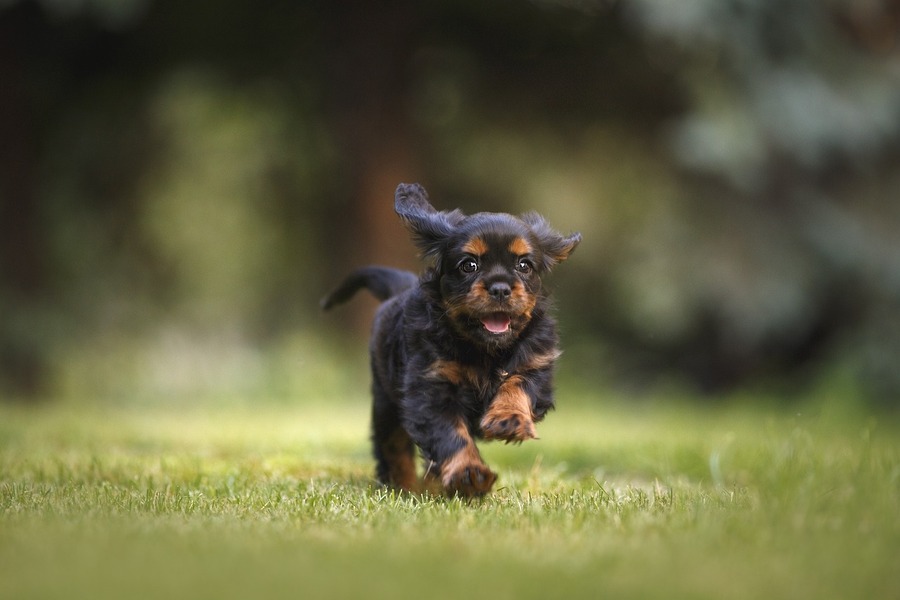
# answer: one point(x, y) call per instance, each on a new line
point(466, 351)
point(383, 282)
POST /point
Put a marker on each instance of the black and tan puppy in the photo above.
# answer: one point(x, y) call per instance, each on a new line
point(466, 351)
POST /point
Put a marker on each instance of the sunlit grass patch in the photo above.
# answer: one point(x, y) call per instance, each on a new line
point(267, 500)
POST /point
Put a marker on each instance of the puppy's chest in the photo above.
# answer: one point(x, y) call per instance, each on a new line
point(482, 381)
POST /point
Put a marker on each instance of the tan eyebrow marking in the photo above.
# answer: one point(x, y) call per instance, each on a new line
point(476, 246)
point(520, 247)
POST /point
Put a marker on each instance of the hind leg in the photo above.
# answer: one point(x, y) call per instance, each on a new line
point(394, 450)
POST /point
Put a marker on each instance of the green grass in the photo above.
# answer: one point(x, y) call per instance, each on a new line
point(275, 501)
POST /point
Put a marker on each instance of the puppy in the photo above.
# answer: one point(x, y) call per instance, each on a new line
point(466, 351)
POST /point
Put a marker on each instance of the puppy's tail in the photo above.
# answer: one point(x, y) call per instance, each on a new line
point(383, 282)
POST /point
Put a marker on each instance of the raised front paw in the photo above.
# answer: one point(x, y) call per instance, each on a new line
point(508, 425)
point(509, 418)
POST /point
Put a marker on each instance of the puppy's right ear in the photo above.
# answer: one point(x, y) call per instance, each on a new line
point(429, 227)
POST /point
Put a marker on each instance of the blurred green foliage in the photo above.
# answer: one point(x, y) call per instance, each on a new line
point(180, 182)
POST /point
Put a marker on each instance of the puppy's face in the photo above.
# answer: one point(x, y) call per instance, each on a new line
point(488, 264)
point(488, 279)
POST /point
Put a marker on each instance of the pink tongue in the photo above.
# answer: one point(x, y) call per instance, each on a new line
point(496, 323)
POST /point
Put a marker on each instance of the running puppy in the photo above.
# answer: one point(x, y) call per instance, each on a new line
point(466, 351)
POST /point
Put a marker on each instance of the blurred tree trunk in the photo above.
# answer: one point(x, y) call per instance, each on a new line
point(368, 80)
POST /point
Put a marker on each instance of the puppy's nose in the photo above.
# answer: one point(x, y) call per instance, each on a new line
point(499, 290)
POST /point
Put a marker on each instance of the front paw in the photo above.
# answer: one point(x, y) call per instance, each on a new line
point(468, 479)
point(510, 426)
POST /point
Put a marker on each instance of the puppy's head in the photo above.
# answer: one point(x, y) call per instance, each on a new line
point(487, 266)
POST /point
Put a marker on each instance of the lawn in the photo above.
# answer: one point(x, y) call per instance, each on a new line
point(656, 500)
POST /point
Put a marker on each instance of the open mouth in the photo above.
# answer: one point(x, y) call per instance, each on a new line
point(496, 322)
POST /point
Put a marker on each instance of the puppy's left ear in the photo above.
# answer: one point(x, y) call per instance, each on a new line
point(411, 199)
point(555, 247)
point(429, 227)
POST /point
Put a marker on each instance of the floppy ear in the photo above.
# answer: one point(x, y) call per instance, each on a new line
point(429, 227)
point(555, 248)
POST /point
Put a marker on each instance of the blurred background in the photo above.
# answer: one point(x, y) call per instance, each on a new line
point(180, 182)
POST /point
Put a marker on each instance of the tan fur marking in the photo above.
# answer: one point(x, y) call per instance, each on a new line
point(448, 370)
point(520, 247)
point(522, 300)
point(465, 473)
point(476, 247)
point(458, 374)
point(509, 417)
point(541, 361)
point(479, 295)
point(398, 453)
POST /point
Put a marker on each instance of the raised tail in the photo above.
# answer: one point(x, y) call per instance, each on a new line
point(383, 282)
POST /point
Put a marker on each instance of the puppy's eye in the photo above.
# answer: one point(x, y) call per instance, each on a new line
point(524, 266)
point(468, 265)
